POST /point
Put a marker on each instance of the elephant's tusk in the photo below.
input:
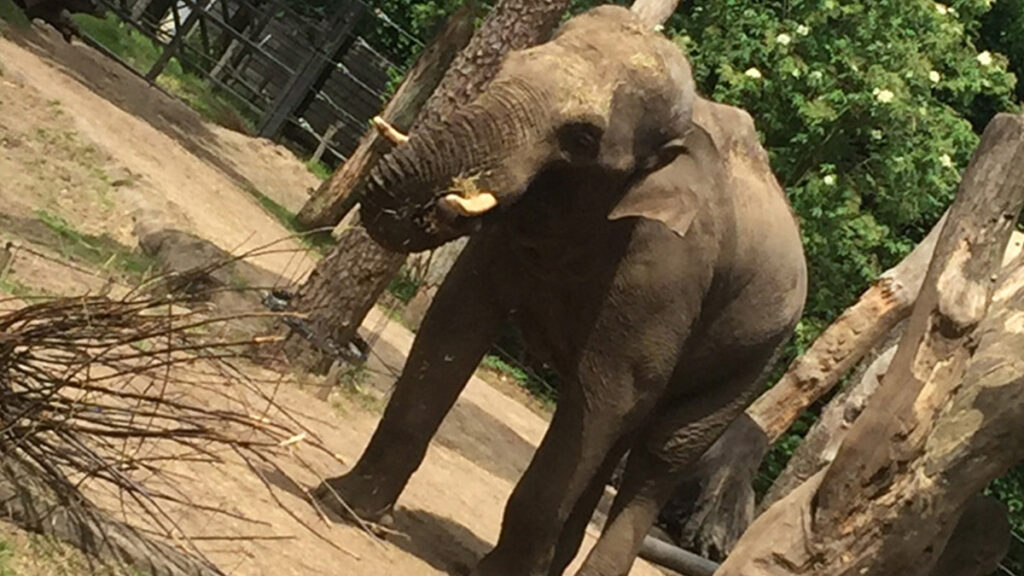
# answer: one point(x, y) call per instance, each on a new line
point(475, 206)
point(388, 131)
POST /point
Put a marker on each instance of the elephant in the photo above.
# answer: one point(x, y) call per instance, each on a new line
point(635, 233)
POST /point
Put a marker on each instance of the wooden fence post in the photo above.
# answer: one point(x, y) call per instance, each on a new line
point(299, 85)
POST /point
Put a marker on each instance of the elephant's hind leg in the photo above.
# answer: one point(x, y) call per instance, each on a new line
point(457, 330)
point(667, 448)
point(575, 527)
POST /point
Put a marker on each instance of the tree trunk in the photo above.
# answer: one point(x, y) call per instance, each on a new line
point(979, 542)
point(719, 499)
point(655, 12)
point(934, 434)
point(511, 25)
point(329, 204)
point(334, 299)
point(822, 442)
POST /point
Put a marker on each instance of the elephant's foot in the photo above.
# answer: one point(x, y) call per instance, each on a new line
point(358, 501)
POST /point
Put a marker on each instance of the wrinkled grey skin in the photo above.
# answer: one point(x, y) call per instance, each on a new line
point(640, 241)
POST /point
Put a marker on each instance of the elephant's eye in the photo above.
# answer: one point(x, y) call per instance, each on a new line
point(580, 140)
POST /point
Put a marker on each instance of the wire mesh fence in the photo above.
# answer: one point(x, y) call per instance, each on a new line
point(310, 81)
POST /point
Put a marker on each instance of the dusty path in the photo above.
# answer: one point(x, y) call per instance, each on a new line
point(84, 140)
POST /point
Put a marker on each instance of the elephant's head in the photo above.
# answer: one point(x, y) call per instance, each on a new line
point(606, 93)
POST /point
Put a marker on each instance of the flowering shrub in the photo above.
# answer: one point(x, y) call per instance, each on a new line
point(865, 109)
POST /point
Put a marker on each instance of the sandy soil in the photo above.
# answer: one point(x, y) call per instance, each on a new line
point(83, 140)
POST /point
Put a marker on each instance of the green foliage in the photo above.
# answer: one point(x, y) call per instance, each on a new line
point(1002, 30)
point(528, 381)
point(318, 169)
point(6, 557)
point(12, 15)
point(102, 251)
point(404, 285)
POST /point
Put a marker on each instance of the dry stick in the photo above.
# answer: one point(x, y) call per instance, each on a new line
point(905, 470)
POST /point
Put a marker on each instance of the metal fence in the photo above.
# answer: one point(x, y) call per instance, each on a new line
point(311, 82)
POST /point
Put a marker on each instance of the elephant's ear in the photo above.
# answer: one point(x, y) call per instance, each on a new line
point(673, 194)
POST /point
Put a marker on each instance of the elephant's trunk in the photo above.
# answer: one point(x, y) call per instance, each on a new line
point(489, 146)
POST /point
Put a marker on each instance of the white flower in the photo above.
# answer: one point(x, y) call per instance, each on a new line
point(803, 30)
point(876, 134)
point(941, 8)
point(985, 58)
point(934, 76)
point(829, 180)
point(816, 75)
point(753, 73)
point(784, 39)
point(884, 96)
point(659, 27)
point(946, 160)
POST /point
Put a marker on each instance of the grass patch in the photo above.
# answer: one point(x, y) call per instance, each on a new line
point(210, 101)
point(6, 558)
point(318, 169)
point(17, 289)
point(27, 554)
point(102, 251)
point(404, 286)
point(320, 242)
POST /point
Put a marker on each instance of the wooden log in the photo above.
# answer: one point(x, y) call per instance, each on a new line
point(932, 437)
point(822, 442)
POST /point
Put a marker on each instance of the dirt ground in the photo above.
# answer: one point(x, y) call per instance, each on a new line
point(88, 150)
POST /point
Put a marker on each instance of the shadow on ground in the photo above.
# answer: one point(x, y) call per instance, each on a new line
point(441, 542)
point(116, 84)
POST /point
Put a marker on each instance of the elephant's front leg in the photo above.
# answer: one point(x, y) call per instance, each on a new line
point(458, 329)
point(587, 425)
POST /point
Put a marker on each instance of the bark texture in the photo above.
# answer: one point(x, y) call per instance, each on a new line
point(819, 447)
point(334, 298)
point(946, 420)
point(335, 197)
point(339, 305)
point(979, 542)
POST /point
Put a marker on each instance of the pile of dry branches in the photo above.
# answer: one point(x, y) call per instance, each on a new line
point(102, 392)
